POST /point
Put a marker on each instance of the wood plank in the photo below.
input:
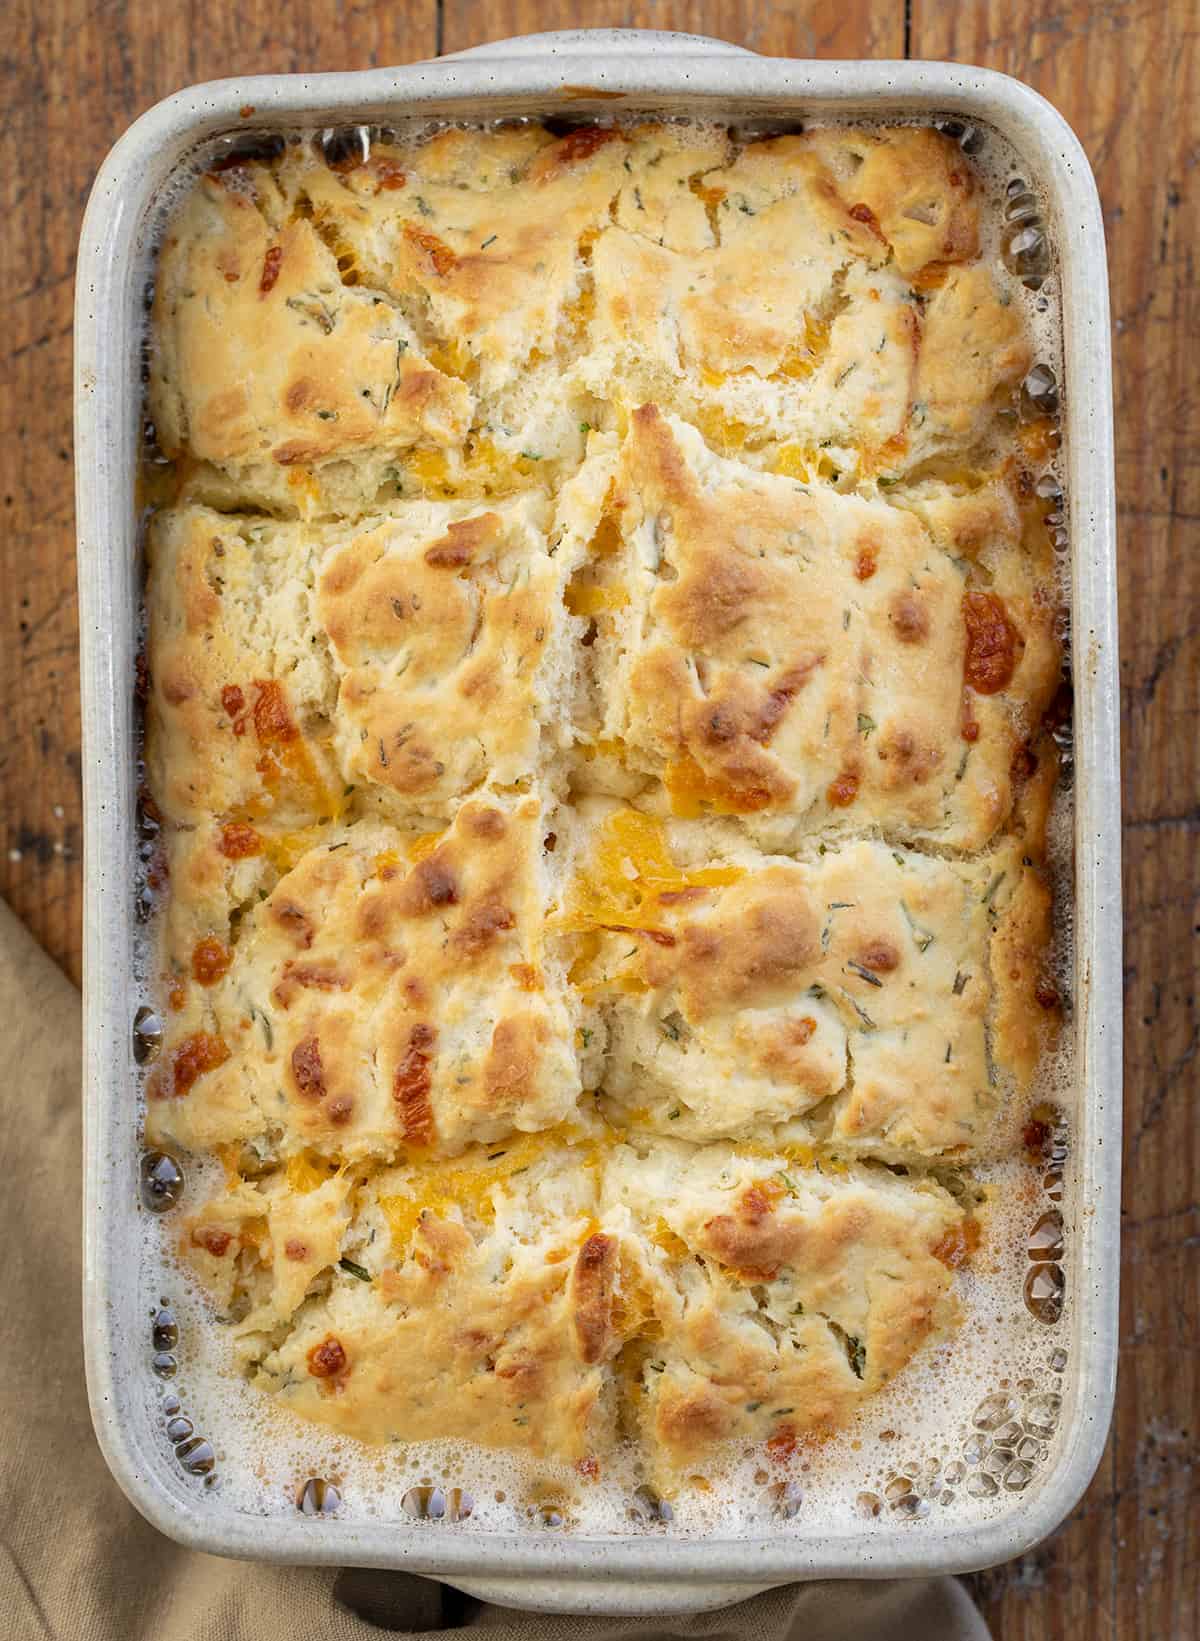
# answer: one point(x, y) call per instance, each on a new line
point(1126, 76)
point(812, 28)
point(72, 77)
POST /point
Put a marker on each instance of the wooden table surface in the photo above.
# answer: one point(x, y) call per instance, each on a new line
point(1126, 73)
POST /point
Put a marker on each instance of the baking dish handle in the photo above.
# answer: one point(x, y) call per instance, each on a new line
point(644, 42)
point(607, 1598)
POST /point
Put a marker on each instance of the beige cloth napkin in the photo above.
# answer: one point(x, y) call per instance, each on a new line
point(77, 1563)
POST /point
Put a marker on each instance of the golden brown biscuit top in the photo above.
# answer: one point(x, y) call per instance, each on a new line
point(238, 719)
point(293, 664)
point(448, 634)
point(841, 267)
point(486, 233)
point(769, 649)
point(865, 998)
point(265, 354)
point(387, 994)
point(729, 1294)
point(598, 652)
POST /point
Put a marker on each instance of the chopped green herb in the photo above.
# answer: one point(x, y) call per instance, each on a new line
point(585, 427)
point(314, 309)
point(993, 886)
point(530, 456)
point(351, 1269)
point(673, 1116)
point(866, 725)
point(586, 1033)
point(857, 1352)
point(842, 375)
point(827, 931)
point(424, 206)
point(864, 974)
point(490, 240)
point(268, 1034)
point(753, 1407)
point(922, 938)
point(960, 983)
point(864, 1018)
point(788, 1182)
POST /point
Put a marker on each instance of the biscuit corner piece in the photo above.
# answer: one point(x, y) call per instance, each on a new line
point(480, 1311)
point(782, 1297)
point(467, 253)
point(839, 315)
point(273, 369)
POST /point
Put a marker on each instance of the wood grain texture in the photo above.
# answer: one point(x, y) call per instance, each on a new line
point(780, 28)
point(73, 73)
point(1127, 76)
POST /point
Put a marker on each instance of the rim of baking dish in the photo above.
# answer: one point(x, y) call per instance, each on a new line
point(584, 72)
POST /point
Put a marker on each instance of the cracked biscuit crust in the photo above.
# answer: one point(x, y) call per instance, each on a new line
point(408, 657)
point(865, 999)
point(839, 304)
point(390, 993)
point(598, 646)
point(813, 660)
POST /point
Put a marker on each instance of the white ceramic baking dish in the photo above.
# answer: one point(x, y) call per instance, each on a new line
point(579, 74)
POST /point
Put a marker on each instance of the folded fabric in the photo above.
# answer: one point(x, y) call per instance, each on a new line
point(77, 1563)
